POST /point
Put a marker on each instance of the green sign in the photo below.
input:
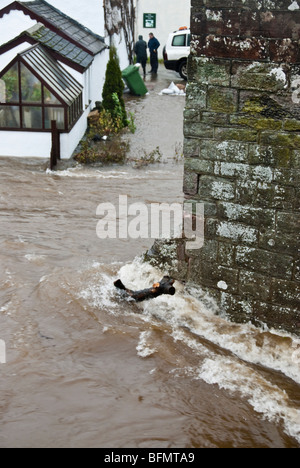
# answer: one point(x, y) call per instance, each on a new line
point(150, 20)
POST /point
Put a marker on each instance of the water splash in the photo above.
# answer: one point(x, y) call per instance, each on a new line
point(195, 323)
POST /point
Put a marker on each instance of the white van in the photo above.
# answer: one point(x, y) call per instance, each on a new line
point(177, 50)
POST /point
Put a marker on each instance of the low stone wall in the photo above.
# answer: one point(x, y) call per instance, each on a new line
point(242, 156)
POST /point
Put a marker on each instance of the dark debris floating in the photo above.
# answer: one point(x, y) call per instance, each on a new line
point(164, 287)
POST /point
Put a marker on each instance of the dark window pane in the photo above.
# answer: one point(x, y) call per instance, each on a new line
point(9, 85)
point(32, 117)
point(179, 41)
point(80, 104)
point(9, 117)
point(55, 113)
point(31, 87)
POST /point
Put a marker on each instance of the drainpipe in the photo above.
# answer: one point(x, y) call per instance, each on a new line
point(137, 20)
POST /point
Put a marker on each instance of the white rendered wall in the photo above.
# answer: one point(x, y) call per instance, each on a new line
point(90, 13)
point(170, 16)
point(13, 24)
point(38, 144)
point(69, 141)
point(97, 76)
point(25, 144)
point(92, 79)
point(6, 58)
point(119, 43)
point(87, 12)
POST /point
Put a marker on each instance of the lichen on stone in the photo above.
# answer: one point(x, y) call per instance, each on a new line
point(266, 107)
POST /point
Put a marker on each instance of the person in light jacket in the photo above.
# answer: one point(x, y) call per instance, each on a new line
point(153, 46)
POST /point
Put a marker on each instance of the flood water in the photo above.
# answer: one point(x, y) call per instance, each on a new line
point(86, 368)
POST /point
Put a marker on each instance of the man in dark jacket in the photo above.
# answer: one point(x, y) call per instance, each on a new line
point(140, 50)
point(153, 45)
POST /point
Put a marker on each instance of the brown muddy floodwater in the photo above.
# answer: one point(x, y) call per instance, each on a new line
point(88, 369)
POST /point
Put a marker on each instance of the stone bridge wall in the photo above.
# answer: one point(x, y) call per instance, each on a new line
point(242, 156)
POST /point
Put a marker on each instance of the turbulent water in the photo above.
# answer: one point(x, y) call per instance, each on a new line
point(86, 368)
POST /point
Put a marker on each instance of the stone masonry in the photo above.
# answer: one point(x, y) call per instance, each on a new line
point(242, 157)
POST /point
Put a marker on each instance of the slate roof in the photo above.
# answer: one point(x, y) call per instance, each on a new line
point(62, 46)
point(66, 25)
point(67, 40)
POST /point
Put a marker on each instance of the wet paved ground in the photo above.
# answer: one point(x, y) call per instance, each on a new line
point(159, 119)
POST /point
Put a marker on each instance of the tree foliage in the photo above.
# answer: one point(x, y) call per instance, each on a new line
point(113, 86)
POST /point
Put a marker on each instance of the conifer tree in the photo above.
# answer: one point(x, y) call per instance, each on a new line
point(113, 85)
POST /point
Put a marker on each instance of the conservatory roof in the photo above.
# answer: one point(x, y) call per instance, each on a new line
point(52, 74)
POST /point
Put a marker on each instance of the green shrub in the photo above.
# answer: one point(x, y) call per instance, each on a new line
point(113, 86)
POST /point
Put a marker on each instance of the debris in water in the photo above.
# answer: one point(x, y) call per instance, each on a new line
point(165, 286)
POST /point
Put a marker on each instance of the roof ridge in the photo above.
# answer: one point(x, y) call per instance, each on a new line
point(34, 29)
point(27, 5)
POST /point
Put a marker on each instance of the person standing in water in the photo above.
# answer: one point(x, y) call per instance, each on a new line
point(153, 46)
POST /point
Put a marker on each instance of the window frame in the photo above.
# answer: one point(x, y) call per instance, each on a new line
point(76, 104)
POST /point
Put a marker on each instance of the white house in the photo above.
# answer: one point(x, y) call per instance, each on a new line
point(53, 57)
point(52, 67)
point(161, 17)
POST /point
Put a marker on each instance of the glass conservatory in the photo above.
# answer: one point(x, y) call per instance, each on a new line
point(34, 90)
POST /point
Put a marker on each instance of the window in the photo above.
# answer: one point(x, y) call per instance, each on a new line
point(32, 117)
point(179, 41)
point(9, 117)
point(54, 113)
point(31, 87)
point(9, 85)
point(49, 98)
point(27, 101)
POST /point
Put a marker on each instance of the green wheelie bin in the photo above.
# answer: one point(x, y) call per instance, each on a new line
point(134, 80)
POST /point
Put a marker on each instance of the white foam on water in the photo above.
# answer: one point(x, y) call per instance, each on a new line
point(138, 275)
point(270, 348)
point(246, 344)
point(100, 294)
point(266, 398)
point(9, 279)
point(143, 348)
point(97, 286)
point(249, 345)
point(5, 310)
point(34, 258)
point(80, 172)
